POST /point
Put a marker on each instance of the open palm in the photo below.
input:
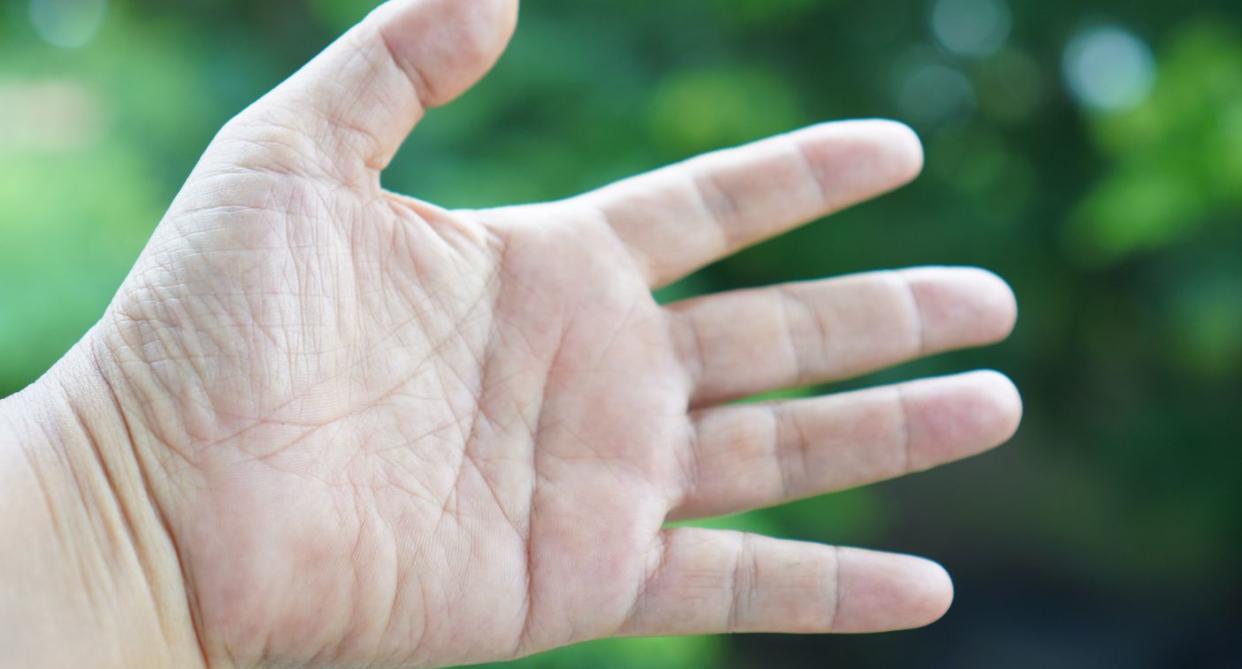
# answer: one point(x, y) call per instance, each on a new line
point(382, 432)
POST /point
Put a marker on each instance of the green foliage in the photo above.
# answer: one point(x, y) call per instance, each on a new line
point(652, 653)
point(695, 111)
point(1178, 156)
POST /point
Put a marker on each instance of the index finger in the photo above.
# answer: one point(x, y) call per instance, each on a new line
point(680, 218)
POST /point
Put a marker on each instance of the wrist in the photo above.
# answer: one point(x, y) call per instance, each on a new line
point(91, 575)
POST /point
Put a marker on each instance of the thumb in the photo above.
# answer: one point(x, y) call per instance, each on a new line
point(349, 109)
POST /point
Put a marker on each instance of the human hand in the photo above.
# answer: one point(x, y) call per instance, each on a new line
point(368, 430)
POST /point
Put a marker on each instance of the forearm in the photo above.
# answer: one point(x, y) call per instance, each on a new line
point(88, 575)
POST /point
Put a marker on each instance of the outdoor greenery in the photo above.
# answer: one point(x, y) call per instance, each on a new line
point(1090, 151)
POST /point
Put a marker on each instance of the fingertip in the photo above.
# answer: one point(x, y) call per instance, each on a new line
point(1006, 404)
point(997, 300)
point(955, 417)
point(883, 592)
point(962, 306)
point(907, 149)
point(899, 148)
point(936, 592)
point(447, 45)
point(857, 160)
point(988, 406)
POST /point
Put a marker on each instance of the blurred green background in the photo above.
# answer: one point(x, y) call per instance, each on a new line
point(1088, 150)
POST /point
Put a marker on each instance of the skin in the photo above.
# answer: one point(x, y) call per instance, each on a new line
point(322, 423)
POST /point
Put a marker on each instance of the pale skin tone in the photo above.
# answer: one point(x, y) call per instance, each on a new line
point(324, 424)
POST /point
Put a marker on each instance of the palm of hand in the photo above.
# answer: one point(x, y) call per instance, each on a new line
point(392, 433)
point(375, 404)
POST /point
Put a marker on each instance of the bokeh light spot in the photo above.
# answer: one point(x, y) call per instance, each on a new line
point(973, 28)
point(68, 24)
point(49, 116)
point(1108, 68)
point(934, 92)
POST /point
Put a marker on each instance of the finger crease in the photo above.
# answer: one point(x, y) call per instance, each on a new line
point(423, 92)
point(808, 164)
point(785, 322)
point(916, 313)
point(906, 432)
point(778, 449)
point(692, 473)
point(696, 364)
point(741, 585)
point(836, 588)
point(720, 207)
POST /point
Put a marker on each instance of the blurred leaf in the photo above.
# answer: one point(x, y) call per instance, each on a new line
point(1178, 155)
point(694, 111)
